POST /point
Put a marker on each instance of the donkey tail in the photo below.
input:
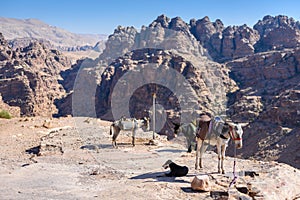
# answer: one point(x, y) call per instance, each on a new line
point(110, 129)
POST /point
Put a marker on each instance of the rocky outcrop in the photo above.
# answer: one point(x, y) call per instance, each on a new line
point(268, 75)
point(162, 33)
point(29, 78)
point(277, 32)
point(203, 29)
point(12, 110)
point(224, 43)
point(259, 74)
point(227, 43)
point(268, 100)
point(119, 43)
point(80, 82)
point(207, 97)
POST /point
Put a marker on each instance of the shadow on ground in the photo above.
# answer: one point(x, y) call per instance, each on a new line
point(160, 177)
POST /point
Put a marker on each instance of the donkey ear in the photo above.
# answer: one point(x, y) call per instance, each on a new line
point(230, 123)
point(244, 124)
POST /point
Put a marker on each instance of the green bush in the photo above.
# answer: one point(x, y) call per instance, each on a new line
point(5, 114)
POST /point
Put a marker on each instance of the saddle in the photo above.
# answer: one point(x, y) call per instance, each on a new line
point(203, 127)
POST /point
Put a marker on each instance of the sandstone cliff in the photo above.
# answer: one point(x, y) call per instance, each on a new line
point(198, 94)
point(269, 100)
point(29, 77)
point(267, 78)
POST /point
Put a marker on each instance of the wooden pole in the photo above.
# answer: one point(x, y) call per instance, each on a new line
point(153, 114)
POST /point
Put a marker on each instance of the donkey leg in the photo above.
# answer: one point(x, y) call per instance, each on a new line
point(116, 132)
point(202, 150)
point(189, 148)
point(222, 158)
point(189, 142)
point(133, 137)
point(199, 144)
point(219, 158)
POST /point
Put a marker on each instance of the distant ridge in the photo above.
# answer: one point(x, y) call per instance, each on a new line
point(25, 29)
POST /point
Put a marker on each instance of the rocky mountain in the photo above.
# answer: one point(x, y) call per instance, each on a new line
point(21, 32)
point(232, 42)
point(29, 77)
point(224, 43)
point(249, 74)
point(277, 32)
point(266, 74)
point(155, 68)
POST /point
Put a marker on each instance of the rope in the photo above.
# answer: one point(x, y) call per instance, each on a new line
point(234, 174)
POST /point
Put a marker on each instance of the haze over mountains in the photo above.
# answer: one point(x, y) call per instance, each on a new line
point(250, 74)
point(22, 30)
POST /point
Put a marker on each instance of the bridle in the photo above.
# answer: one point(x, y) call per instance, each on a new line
point(232, 134)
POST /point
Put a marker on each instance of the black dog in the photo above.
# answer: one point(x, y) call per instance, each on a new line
point(176, 170)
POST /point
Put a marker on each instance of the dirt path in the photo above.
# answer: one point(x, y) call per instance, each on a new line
point(78, 162)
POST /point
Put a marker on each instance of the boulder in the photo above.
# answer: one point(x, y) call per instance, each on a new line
point(201, 182)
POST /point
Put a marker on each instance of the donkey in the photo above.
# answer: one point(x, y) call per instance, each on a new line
point(128, 124)
point(189, 131)
point(216, 132)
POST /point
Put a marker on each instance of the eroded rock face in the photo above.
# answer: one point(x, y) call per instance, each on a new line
point(12, 110)
point(206, 80)
point(29, 78)
point(120, 42)
point(203, 29)
point(277, 32)
point(266, 78)
point(268, 100)
point(224, 43)
point(162, 33)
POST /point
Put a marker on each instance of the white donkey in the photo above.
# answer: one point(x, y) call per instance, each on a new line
point(217, 132)
point(128, 124)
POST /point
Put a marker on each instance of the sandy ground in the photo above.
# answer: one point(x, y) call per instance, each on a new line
point(73, 159)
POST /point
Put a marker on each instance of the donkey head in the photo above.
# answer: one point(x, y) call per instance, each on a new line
point(236, 133)
point(146, 123)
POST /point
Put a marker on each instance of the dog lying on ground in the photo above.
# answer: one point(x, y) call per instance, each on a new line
point(176, 170)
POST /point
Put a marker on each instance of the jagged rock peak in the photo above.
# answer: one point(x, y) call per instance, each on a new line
point(205, 22)
point(162, 21)
point(178, 24)
point(218, 24)
point(269, 22)
point(122, 29)
point(278, 20)
point(203, 28)
point(277, 32)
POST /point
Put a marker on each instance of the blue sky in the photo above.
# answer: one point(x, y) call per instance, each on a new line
point(103, 16)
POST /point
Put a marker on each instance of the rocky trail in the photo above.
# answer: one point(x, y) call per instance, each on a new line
point(72, 158)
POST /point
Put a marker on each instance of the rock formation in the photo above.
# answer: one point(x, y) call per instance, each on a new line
point(267, 80)
point(207, 97)
point(256, 79)
point(224, 43)
point(13, 111)
point(269, 100)
point(277, 32)
point(29, 77)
